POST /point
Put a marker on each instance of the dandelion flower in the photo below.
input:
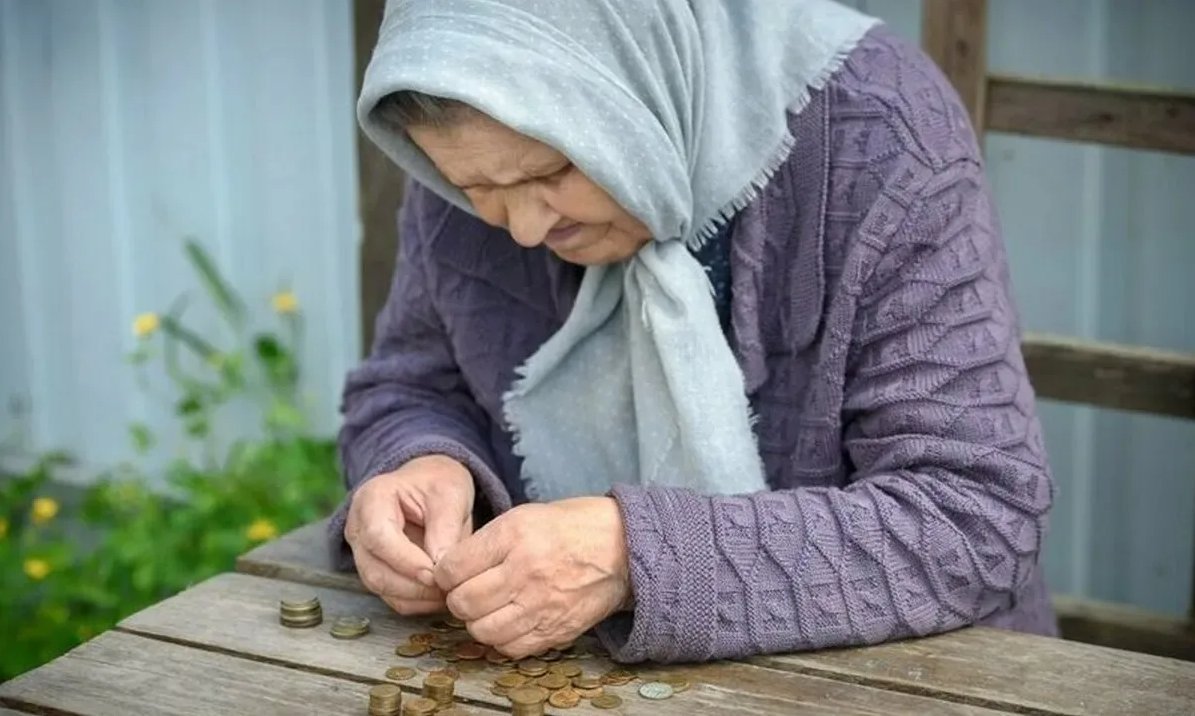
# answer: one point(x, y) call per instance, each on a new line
point(36, 569)
point(285, 302)
point(146, 325)
point(44, 509)
point(261, 530)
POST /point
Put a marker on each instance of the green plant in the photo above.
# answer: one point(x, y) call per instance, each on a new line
point(68, 572)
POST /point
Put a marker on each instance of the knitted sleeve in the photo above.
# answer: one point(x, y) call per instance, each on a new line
point(943, 514)
point(407, 399)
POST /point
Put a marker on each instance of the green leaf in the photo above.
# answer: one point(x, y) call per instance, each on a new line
point(226, 300)
point(142, 437)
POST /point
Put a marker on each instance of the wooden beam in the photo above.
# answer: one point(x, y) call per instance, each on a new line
point(1111, 376)
point(954, 34)
point(380, 185)
point(1138, 117)
point(1122, 627)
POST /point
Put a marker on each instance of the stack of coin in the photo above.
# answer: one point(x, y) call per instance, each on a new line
point(528, 701)
point(301, 614)
point(350, 627)
point(439, 688)
point(385, 700)
point(419, 707)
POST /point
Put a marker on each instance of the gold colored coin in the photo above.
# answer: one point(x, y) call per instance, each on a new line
point(422, 638)
point(564, 699)
point(528, 695)
point(411, 650)
point(677, 682)
point(550, 655)
point(419, 707)
point(400, 673)
point(496, 657)
point(617, 677)
point(533, 667)
point(511, 681)
point(454, 622)
point(565, 670)
point(552, 682)
point(606, 701)
point(470, 650)
point(439, 680)
point(587, 682)
point(589, 693)
point(500, 691)
point(449, 671)
point(441, 626)
point(470, 667)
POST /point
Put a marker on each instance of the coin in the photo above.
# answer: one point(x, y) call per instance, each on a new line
point(499, 691)
point(528, 695)
point(617, 677)
point(449, 671)
point(470, 650)
point(533, 667)
point(384, 700)
point(511, 681)
point(677, 682)
point(587, 682)
point(550, 655)
point(411, 650)
point(566, 670)
point(430, 664)
point(470, 667)
point(400, 673)
point(454, 622)
point(422, 638)
point(419, 707)
point(656, 691)
point(441, 626)
point(606, 701)
point(564, 699)
point(350, 627)
point(496, 657)
point(589, 693)
point(299, 606)
point(552, 682)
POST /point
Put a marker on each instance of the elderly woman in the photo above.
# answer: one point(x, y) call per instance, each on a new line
point(701, 336)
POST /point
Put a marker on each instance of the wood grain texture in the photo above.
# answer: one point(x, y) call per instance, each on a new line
point(1142, 118)
point(239, 613)
point(1122, 627)
point(954, 34)
point(381, 185)
point(988, 669)
point(299, 556)
point(127, 675)
point(1111, 376)
point(1016, 672)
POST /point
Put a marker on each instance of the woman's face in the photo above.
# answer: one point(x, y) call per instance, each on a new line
point(531, 190)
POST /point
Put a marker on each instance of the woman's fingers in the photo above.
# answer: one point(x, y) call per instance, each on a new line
point(486, 593)
point(382, 580)
point(503, 626)
point(376, 526)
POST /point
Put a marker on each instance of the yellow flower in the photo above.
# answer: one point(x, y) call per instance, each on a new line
point(261, 530)
point(37, 569)
point(285, 302)
point(44, 509)
point(3, 528)
point(146, 324)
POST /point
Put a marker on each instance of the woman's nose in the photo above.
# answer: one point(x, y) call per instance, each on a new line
point(530, 220)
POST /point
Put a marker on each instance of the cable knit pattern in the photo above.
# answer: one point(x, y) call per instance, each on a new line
point(872, 318)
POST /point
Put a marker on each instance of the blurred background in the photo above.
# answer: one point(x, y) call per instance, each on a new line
point(193, 244)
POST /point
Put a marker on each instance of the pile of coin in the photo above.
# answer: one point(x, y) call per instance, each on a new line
point(300, 614)
point(350, 627)
point(420, 707)
point(385, 700)
point(439, 687)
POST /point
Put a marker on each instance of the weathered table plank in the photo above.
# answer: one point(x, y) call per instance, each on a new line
point(988, 667)
point(123, 674)
point(239, 613)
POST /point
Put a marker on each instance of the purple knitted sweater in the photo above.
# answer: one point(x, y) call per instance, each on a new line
point(872, 319)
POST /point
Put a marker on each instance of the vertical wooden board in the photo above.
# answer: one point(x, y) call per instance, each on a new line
point(127, 675)
point(239, 613)
point(954, 33)
point(380, 185)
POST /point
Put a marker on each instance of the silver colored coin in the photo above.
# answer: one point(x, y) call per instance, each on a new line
point(656, 691)
point(431, 664)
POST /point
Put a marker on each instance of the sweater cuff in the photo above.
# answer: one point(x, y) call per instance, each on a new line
point(670, 547)
point(489, 487)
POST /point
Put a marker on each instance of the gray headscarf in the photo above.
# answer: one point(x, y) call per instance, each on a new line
point(677, 108)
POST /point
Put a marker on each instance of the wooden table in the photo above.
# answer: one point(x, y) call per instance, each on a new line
point(218, 648)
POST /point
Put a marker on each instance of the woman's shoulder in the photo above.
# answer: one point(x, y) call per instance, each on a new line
point(890, 98)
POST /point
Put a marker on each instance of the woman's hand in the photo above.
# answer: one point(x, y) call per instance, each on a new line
point(539, 575)
point(399, 523)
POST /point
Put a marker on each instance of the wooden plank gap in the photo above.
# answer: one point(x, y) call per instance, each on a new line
point(954, 34)
point(1128, 116)
point(26, 707)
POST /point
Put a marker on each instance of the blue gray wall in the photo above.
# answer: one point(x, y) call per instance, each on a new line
point(126, 125)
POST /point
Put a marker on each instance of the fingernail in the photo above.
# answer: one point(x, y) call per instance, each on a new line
point(427, 578)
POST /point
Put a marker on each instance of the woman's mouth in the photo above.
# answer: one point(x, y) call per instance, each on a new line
point(556, 238)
